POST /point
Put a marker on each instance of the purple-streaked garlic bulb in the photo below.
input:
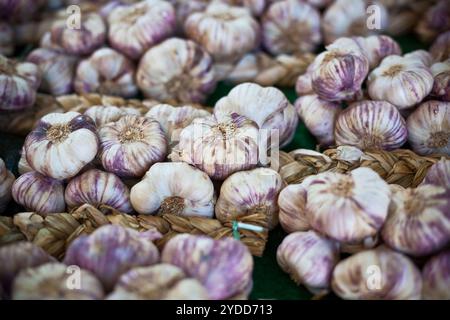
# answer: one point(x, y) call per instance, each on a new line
point(58, 70)
point(158, 282)
point(219, 148)
point(436, 278)
point(440, 50)
point(347, 207)
point(98, 187)
point(224, 267)
point(434, 22)
point(6, 182)
point(377, 47)
point(183, 73)
point(439, 174)
point(7, 44)
point(52, 281)
point(19, 82)
point(291, 26)
point(377, 274)
point(103, 115)
point(402, 81)
point(441, 86)
point(429, 128)
point(175, 188)
point(292, 204)
point(111, 251)
point(39, 193)
point(61, 144)
point(108, 72)
point(371, 125)
point(309, 259)
point(418, 222)
point(129, 146)
point(238, 30)
point(319, 117)
point(250, 192)
point(135, 28)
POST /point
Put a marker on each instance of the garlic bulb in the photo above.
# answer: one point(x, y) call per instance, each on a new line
point(440, 50)
point(58, 70)
point(238, 30)
point(224, 267)
point(418, 222)
point(183, 73)
point(439, 174)
point(436, 279)
point(184, 8)
point(401, 81)
point(435, 21)
point(309, 259)
point(51, 281)
point(303, 85)
point(135, 28)
point(219, 148)
point(371, 125)
point(441, 86)
point(319, 117)
point(129, 146)
point(291, 26)
point(106, 71)
point(111, 251)
point(103, 115)
point(292, 203)
point(377, 274)
point(175, 188)
point(347, 208)
point(18, 84)
point(6, 182)
point(429, 128)
point(249, 192)
point(97, 187)
point(39, 193)
point(6, 39)
point(61, 144)
point(377, 47)
point(256, 7)
point(420, 55)
point(158, 282)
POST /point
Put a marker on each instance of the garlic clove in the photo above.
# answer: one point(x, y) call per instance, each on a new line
point(436, 280)
point(440, 50)
point(61, 144)
point(371, 125)
point(97, 187)
point(377, 274)
point(309, 259)
point(292, 204)
point(429, 128)
point(6, 183)
point(175, 188)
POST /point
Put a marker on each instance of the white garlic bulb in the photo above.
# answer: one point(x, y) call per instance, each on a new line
point(377, 274)
point(6, 182)
point(371, 125)
point(249, 192)
point(129, 146)
point(309, 259)
point(347, 207)
point(61, 144)
point(436, 279)
point(174, 188)
point(183, 73)
point(429, 128)
point(404, 82)
point(292, 203)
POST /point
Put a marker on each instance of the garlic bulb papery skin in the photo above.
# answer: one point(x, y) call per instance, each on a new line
point(292, 204)
point(248, 192)
point(239, 31)
point(19, 82)
point(103, 115)
point(434, 22)
point(106, 71)
point(135, 28)
point(6, 182)
point(418, 223)
point(404, 82)
point(440, 50)
point(371, 125)
point(309, 259)
point(61, 144)
point(6, 39)
point(129, 146)
point(184, 72)
point(39, 193)
point(50, 282)
point(439, 174)
point(111, 251)
point(291, 26)
point(347, 208)
point(377, 47)
point(58, 70)
point(436, 279)
point(176, 188)
point(98, 187)
point(319, 117)
point(377, 274)
point(429, 128)
point(349, 18)
point(441, 86)
point(158, 282)
point(224, 266)
point(421, 55)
